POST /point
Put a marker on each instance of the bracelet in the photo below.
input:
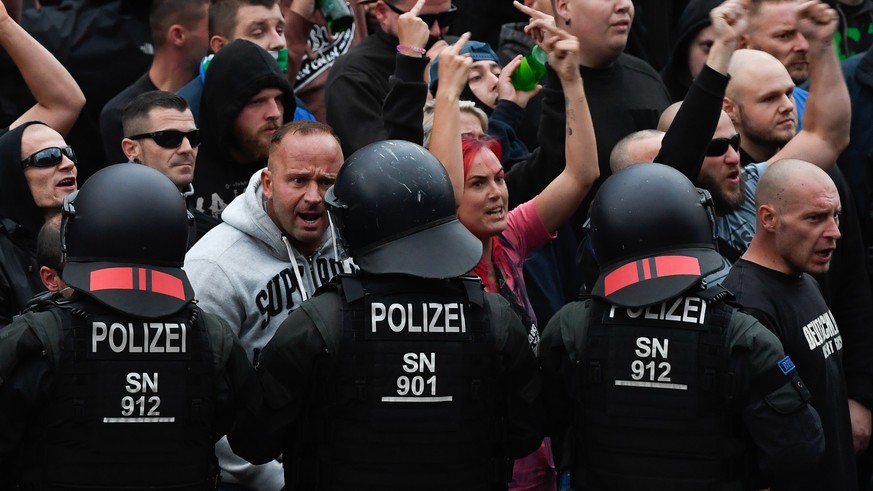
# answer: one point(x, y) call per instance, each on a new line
point(401, 47)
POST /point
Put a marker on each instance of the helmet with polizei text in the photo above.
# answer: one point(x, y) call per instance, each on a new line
point(652, 235)
point(124, 235)
point(395, 207)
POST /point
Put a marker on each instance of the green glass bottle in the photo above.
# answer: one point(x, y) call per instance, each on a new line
point(337, 13)
point(531, 70)
point(282, 59)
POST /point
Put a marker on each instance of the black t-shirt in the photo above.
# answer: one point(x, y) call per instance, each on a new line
point(793, 308)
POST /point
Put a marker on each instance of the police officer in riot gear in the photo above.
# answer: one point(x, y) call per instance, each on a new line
point(127, 384)
point(661, 383)
point(404, 375)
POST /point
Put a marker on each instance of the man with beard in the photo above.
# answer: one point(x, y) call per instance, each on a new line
point(246, 98)
point(274, 249)
point(773, 28)
point(357, 91)
point(797, 231)
point(765, 120)
point(159, 132)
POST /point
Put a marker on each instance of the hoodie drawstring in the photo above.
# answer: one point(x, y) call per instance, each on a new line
point(304, 295)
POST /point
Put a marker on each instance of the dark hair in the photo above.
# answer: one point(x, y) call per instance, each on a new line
point(222, 14)
point(165, 13)
point(48, 244)
point(136, 112)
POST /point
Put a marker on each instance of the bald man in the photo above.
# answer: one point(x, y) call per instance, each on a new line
point(759, 101)
point(797, 232)
point(638, 147)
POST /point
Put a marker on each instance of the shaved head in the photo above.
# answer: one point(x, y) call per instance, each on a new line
point(798, 216)
point(668, 116)
point(789, 181)
point(747, 66)
point(760, 101)
point(638, 147)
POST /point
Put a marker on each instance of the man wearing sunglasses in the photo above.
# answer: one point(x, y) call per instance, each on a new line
point(37, 171)
point(358, 86)
point(159, 132)
point(179, 31)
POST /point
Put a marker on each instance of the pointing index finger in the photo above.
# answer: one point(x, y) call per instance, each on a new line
point(417, 7)
point(532, 13)
point(459, 44)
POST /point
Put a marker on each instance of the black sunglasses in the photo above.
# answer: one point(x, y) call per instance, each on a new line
point(442, 18)
point(171, 138)
point(49, 157)
point(718, 146)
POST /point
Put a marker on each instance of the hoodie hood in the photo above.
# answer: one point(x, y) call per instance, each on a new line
point(237, 73)
point(16, 200)
point(248, 214)
point(693, 19)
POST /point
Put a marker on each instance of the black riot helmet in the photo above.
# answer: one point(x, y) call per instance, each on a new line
point(652, 234)
point(395, 207)
point(124, 236)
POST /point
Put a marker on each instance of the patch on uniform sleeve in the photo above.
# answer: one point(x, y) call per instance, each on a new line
point(786, 365)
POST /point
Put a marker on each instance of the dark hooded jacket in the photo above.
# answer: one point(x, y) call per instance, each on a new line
point(20, 221)
point(694, 18)
point(236, 74)
point(855, 32)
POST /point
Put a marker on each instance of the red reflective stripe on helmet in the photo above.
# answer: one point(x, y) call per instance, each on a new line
point(677, 265)
point(122, 279)
point(620, 278)
point(111, 279)
point(647, 272)
point(167, 285)
point(629, 274)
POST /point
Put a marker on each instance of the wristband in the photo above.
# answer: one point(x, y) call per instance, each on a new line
point(401, 47)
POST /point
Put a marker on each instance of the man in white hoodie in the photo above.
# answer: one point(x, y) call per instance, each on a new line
point(275, 247)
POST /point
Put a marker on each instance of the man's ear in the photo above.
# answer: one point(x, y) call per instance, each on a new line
point(767, 217)
point(217, 42)
point(130, 149)
point(381, 13)
point(266, 183)
point(562, 11)
point(731, 109)
point(50, 278)
point(177, 34)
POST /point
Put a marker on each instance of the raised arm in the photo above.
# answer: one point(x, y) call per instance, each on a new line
point(563, 195)
point(828, 110)
point(58, 97)
point(685, 142)
point(300, 16)
point(445, 143)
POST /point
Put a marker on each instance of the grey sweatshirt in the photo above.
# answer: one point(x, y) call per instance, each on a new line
point(245, 271)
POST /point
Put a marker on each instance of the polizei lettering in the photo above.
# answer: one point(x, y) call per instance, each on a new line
point(690, 310)
point(139, 337)
point(427, 317)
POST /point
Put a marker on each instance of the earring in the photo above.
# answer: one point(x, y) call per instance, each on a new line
point(567, 21)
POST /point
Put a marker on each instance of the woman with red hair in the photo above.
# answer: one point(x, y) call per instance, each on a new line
point(482, 198)
point(508, 236)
